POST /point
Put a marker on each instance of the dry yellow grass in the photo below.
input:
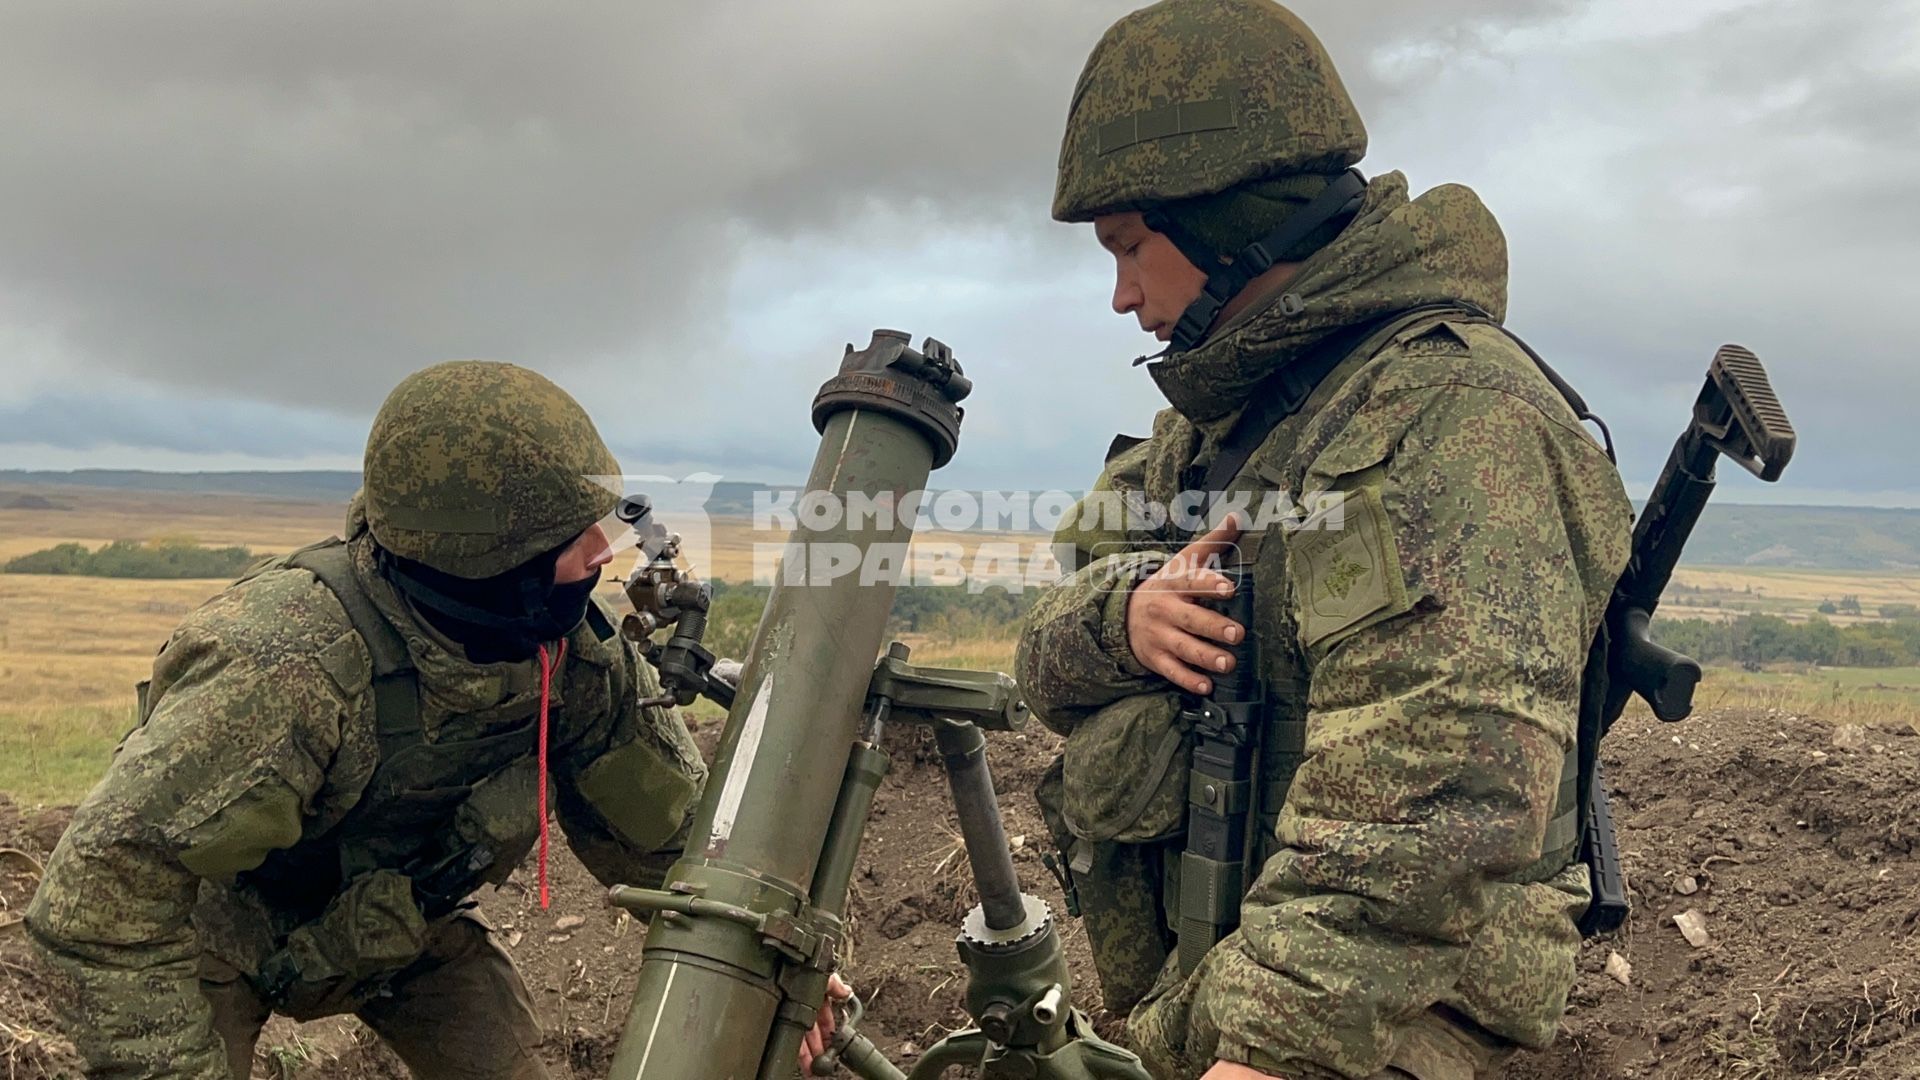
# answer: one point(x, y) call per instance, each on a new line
point(1792, 593)
point(68, 640)
point(71, 648)
point(1875, 697)
point(94, 517)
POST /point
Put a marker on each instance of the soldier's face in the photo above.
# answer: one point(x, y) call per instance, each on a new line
point(1153, 282)
point(584, 557)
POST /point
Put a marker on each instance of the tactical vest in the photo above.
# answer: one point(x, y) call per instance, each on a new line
point(405, 819)
point(1284, 739)
point(1132, 926)
point(438, 818)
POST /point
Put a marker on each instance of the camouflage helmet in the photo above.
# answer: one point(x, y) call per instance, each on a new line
point(1191, 97)
point(475, 467)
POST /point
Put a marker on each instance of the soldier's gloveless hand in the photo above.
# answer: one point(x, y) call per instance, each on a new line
point(1169, 631)
point(824, 1025)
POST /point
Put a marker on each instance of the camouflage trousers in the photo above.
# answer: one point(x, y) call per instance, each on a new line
point(1438, 1045)
point(460, 1013)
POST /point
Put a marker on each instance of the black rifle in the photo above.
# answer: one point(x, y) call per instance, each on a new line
point(1736, 416)
point(1221, 785)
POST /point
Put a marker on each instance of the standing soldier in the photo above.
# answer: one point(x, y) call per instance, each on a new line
point(338, 749)
point(1410, 889)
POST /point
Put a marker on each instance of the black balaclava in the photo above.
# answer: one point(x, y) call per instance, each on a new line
point(501, 618)
point(1233, 236)
point(1226, 221)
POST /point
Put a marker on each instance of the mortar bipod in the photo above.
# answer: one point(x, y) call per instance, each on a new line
point(1019, 991)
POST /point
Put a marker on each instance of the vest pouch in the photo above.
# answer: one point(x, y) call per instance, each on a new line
point(1117, 888)
point(493, 828)
point(501, 818)
point(400, 829)
point(368, 933)
point(1124, 771)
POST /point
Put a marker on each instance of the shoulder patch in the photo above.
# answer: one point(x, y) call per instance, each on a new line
point(1349, 576)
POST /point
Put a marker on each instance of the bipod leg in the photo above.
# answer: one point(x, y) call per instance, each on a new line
point(967, 1047)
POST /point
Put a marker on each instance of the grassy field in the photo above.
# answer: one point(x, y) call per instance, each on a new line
point(71, 648)
point(96, 517)
point(1877, 696)
point(1717, 592)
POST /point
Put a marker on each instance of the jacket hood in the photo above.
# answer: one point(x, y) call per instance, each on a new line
point(1398, 253)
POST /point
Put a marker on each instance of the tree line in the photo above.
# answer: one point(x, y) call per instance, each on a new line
point(951, 612)
point(164, 558)
point(1764, 639)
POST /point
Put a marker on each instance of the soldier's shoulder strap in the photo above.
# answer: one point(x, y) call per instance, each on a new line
point(332, 563)
point(1287, 390)
point(396, 694)
point(1573, 399)
point(1562, 842)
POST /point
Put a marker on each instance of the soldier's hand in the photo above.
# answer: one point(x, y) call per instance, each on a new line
point(821, 1036)
point(1168, 630)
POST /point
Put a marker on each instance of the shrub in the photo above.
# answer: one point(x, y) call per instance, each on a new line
point(1764, 639)
point(167, 558)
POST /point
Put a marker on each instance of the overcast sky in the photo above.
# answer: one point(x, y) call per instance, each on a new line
point(228, 228)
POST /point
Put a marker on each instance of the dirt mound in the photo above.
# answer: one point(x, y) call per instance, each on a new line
point(1799, 840)
point(1794, 843)
point(29, 1045)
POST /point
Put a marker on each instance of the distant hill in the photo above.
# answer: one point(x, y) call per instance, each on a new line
point(729, 497)
point(1813, 537)
point(332, 485)
point(1729, 534)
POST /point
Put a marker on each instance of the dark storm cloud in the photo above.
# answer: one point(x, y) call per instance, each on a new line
point(296, 204)
point(1758, 190)
point(179, 423)
point(280, 199)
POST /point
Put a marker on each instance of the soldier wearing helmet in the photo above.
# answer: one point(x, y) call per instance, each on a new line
point(338, 749)
point(1423, 611)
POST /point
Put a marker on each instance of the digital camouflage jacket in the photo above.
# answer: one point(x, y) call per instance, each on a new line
point(1432, 644)
point(225, 825)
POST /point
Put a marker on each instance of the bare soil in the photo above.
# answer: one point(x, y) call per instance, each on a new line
point(1800, 840)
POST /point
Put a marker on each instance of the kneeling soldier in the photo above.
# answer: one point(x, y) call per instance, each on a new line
point(338, 749)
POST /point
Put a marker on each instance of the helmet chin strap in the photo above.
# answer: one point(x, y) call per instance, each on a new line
point(1224, 282)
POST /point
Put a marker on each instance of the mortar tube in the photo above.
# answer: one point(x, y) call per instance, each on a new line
point(708, 991)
